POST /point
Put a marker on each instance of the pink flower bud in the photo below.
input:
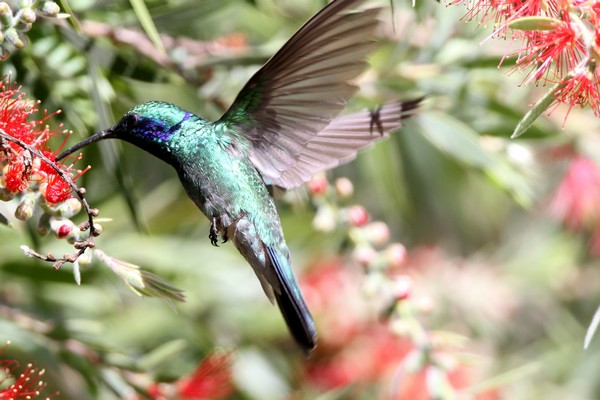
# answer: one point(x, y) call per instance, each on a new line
point(396, 255)
point(364, 255)
point(318, 184)
point(377, 232)
point(64, 230)
point(402, 287)
point(344, 187)
point(357, 215)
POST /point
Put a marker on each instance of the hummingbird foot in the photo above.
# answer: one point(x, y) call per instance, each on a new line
point(214, 233)
point(224, 236)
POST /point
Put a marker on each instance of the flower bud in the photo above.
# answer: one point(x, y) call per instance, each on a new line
point(98, 229)
point(402, 287)
point(64, 228)
point(4, 53)
point(396, 255)
point(364, 255)
point(26, 207)
point(317, 185)
point(344, 187)
point(6, 14)
point(25, 3)
point(43, 227)
point(67, 208)
point(15, 38)
point(324, 221)
point(377, 233)
point(27, 16)
point(50, 9)
point(6, 195)
point(357, 215)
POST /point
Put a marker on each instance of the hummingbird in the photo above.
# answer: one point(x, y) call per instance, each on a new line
point(283, 127)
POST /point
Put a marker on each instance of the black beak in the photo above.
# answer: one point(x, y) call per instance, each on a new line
point(105, 134)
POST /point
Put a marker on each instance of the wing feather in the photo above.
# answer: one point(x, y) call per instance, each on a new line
point(303, 87)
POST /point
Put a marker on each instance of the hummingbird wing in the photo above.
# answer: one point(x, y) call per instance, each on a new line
point(339, 142)
point(303, 87)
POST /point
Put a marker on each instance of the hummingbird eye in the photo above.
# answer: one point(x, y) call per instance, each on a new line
point(130, 121)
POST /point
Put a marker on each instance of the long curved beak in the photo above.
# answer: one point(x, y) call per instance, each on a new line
point(105, 134)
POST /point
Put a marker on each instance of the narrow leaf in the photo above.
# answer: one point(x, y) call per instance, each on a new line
point(534, 24)
point(537, 110)
point(143, 15)
point(589, 335)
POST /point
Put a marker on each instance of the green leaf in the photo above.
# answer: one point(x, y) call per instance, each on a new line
point(143, 15)
point(462, 143)
point(534, 24)
point(589, 335)
point(454, 138)
point(537, 110)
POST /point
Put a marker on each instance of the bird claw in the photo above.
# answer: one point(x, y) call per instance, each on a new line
point(214, 233)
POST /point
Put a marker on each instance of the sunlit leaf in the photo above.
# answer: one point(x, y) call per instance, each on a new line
point(591, 331)
point(143, 15)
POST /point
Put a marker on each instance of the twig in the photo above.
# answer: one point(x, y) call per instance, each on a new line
point(81, 246)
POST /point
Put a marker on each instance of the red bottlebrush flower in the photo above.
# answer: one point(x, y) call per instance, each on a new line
point(16, 178)
point(370, 357)
point(26, 385)
point(57, 190)
point(583, 90)
point(551, 53)
point(578, 195)
point(17, 120)
point(502, 12)
point(211, 380)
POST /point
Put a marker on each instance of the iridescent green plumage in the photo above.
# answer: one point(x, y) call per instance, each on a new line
point(282, 128)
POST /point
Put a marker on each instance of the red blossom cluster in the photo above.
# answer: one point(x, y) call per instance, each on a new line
point(21, 170)
point(361, 353)
point(576, 200)
point(212, 379)
point(16, 386)
point(560, 43)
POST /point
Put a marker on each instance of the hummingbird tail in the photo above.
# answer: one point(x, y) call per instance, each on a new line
point(291, 303)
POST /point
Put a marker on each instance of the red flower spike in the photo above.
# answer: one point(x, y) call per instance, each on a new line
point(211, 380)
point(551, 54)
point(576, 200)
point(581, 90)
point(27, 385)
point(57, 190)
point(16, 120)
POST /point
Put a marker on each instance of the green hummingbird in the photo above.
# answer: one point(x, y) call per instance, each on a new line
point(282, 128)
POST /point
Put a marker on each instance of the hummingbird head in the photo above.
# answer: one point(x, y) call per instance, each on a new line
point(149, 126)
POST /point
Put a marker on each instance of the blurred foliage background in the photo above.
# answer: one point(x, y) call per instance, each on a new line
point(502, 288)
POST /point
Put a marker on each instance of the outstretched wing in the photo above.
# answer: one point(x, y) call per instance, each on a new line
point(339, 142)
point(298, 92)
